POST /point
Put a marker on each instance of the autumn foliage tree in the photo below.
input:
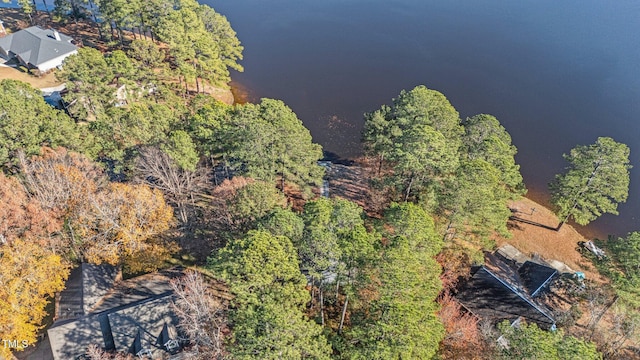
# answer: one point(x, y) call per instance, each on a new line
point(121, 225)
point(462, 339)
point(107, 222)
point(29, 276)
point(22, 216)
point(61, 180)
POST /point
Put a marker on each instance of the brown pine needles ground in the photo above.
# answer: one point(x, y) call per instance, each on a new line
point(549, 244)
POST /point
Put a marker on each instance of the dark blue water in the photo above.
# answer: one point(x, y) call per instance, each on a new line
point(556, 74)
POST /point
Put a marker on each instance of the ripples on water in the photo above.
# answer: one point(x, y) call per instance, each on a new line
point(555, 74)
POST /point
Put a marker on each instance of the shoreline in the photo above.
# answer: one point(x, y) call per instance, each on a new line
point(535, 236)
point(589, 232)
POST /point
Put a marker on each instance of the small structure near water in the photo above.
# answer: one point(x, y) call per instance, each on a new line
point(324, 190)
point(507, 287)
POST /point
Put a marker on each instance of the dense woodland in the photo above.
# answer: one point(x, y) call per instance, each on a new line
point(143, 171)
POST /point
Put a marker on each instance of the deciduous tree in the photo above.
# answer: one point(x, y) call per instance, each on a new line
point(61, 180)
point(121, 225)
point(29, 277)
point(463, 339)
point(22, 216)
point(201, 315)
point(180, 186)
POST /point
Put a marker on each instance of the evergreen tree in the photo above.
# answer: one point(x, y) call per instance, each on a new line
point(475, 202)
point(596, 180)
point(622, 266)
point(27, 123)
point(527, 341)
point(267, 317)
point(419, 137)
point(87, 76)
point(401, 321)
point(484, 138)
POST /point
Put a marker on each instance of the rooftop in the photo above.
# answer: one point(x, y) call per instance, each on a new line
point(507, 287)
point(115, 315)
point(36, 46)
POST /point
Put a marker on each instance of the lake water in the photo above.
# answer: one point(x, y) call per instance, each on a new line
point(555, 74)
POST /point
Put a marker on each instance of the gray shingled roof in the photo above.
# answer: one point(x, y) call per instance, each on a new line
point(145, 320)
point(506, 288)
point(87, 285)
point(97, 281)
point(141, 305)
point(71, 338)
point(36, 46)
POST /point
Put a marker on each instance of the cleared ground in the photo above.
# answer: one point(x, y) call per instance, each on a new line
point(48, 80)
point(550, 244)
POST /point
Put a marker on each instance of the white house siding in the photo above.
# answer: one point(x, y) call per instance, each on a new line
point(53, 63)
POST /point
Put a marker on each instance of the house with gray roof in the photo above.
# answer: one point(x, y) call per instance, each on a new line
point(37, 48)
point(133, 316)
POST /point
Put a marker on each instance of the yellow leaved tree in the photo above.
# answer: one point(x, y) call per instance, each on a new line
point(29, 277)
point(105, 222)
point(123, 224)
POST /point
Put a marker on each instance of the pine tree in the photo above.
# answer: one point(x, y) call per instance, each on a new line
point(595, 182)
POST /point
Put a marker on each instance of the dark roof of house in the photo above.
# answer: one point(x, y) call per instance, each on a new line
point(139, 305)
point(35, 45)
point(534, 276)
point(507, 287)
point(525, 275)
point(491, 297)
point(71, 338)
point(146, 321)
point(97, 281)
point(86, 286)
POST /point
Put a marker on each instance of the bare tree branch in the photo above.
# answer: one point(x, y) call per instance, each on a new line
point(201, 316)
